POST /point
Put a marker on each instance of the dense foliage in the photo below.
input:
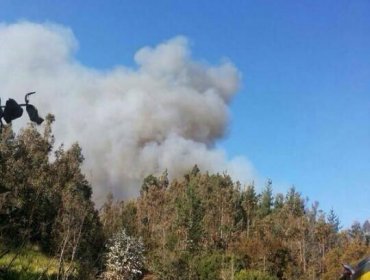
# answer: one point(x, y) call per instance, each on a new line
point(47, 203)
point(202, 226)
point(205, 226)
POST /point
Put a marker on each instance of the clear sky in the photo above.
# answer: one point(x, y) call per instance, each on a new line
point(302, 115)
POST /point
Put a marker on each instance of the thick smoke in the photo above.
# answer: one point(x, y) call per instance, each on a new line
point(166, 113)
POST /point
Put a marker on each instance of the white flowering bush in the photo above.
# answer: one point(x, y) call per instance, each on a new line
point(125, 257)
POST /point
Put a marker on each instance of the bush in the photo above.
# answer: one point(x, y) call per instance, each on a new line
point(208, 267)
point(125, 257)
point(253, 275)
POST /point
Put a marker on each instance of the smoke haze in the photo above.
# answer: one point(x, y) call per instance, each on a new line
point(165, 113)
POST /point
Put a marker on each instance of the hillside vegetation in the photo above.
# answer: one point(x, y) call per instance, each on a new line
point(201, 226)
point(28, 264)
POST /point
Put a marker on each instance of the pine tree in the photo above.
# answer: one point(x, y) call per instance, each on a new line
point(249, 205)
point(333, 221)
point(294, 202)
point(266, 201)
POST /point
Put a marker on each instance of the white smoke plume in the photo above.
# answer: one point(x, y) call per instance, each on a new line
point(165, 113)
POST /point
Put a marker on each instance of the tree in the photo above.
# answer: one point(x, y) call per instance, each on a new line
point(333, 221)
point(366, 230)
point(190, 215)
point(77, 231)
point(279, 202)
point(294, 202)
point(110, 216)
point(125, 257)
point(249, 205)
point(266, 200)
point(356, 232)
point(47, 204)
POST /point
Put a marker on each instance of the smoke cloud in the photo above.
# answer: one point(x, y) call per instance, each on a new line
point(167, 112)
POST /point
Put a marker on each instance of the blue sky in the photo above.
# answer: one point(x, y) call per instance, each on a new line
point(302, 115)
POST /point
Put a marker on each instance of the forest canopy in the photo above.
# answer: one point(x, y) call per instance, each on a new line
point(199, 226)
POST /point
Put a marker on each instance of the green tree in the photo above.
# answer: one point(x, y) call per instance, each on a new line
point(333, 221)
point(266, 200)
point(77, 230)
point(249, 204)
point(294, 202)
point(190, 215)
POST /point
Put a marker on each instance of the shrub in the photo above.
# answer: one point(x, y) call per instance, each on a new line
point(125, 257)
point(253, 275)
